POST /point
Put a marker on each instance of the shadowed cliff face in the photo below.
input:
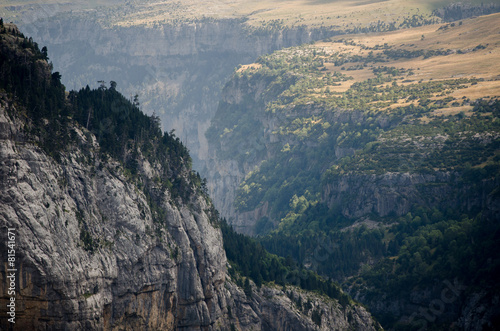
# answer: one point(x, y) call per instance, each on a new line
point(177, 71)
point(396, 193)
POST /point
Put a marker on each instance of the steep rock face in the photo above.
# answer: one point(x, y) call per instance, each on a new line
point(237, 151)
point(226, 169)
point(279, 311)
point(91, 255)
point(224, 177)
point(178, 71)
point(396, 193)
point(87, 253)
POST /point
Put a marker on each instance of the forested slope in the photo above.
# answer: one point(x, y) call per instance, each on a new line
point(376, 163)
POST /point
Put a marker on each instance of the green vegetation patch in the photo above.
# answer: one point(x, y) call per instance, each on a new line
point(374, 126)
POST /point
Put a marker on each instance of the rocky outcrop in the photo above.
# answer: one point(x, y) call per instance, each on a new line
point(356, 194)
point(224, 176)
point(234, 155)
point(279, 310)
point(232, 158)
point(397, 193)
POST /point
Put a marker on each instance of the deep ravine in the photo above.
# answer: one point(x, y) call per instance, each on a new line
point(109, 232)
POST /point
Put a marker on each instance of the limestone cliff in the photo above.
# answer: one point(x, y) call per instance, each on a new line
point(361, 161)
point(396, 194)
point(89, 255)
point(236, 153)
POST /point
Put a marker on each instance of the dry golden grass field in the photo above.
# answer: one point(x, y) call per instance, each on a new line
point(341, 13)
point(465, 60)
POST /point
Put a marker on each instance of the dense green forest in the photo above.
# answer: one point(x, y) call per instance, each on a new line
point(248, 258)
point(430, 247)
point(419, 249)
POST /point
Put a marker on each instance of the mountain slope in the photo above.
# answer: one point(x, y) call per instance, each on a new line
point(111, 227)
point(351, 94)
point(373, 159)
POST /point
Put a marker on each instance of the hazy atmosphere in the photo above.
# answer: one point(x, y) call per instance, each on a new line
point(250, 165)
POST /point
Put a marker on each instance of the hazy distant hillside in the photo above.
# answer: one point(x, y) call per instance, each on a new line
point(361, 97)
point(176, 56)
point(344, 14)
